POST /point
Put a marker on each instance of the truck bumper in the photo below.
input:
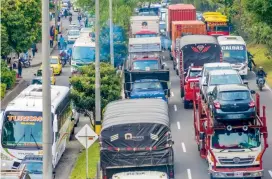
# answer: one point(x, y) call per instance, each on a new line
point(236, 174)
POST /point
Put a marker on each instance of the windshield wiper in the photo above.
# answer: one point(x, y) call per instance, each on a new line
point(34, 139)
point(20, 140)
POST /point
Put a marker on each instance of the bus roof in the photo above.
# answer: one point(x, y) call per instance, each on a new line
point(231, 40)
point(84, 41)
point(30, 99)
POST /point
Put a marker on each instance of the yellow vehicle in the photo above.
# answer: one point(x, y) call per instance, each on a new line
point(217, 25)
point(38, 78)
point(56, 64)
point(211, 13)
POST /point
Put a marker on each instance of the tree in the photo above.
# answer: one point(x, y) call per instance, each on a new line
point(83, 87)
point(22, 19)
point(5, 48)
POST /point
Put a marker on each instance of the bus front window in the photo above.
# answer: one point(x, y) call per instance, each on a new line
point(84, 54)
point(22, 129)
point(234, 53)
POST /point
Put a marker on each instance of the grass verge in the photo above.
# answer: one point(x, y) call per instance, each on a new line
point(261, 58)
point(79, 171)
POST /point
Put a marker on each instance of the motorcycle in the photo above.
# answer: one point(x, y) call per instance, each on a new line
point(261, 82)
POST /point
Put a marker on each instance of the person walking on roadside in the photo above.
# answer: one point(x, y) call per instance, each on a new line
point(34, 49)
point(65, 13)
point(20, 69)
point(70, 19)
point(61, 40)
point(51, 41)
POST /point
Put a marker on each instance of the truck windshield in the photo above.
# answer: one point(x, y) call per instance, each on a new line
point(147, 85)
point(225, 79)
point(222, 28)
point(236, 139)
point(194, 73)
point(22, 130)
point(146, 65)
point(234, 53)
point(34, 167)
point(84, 54)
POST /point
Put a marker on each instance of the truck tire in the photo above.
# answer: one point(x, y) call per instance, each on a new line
point(186, 104)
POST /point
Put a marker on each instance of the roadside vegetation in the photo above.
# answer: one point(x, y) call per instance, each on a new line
point(8, 78)
point(79, 170)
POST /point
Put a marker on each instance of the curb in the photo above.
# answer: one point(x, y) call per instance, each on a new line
point(38, 64)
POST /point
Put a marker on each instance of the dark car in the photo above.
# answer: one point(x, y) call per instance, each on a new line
point(232, 102)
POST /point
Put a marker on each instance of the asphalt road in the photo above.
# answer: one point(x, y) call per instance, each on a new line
point(188, 163)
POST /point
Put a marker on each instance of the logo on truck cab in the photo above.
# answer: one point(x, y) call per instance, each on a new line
point(201, 48)
point(129, 136)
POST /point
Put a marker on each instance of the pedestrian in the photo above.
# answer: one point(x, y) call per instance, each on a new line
point(61, 40)
point(51, 41)
point(65, 13)
point(34, 49)
point(20, 69)
point(70, 19)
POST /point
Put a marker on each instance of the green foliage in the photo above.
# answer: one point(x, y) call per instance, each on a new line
point(8, 77)
point(83, 91)
point(22, 20)
point(5, 48)
point(3, 90)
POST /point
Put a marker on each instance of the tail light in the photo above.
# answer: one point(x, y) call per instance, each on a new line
point(216, 105)
point(252, 104)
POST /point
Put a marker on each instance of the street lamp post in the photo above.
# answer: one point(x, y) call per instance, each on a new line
point(111, 34)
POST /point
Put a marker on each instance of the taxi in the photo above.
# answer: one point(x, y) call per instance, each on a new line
point(38, 77)
point(56, 64)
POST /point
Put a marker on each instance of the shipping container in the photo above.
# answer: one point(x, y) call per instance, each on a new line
point(144, 23)
point(180, 12)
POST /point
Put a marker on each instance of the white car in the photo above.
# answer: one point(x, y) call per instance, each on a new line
point(210, 67)
point(73, 35)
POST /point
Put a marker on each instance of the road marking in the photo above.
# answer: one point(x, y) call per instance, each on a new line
point(172, 93)
point(183, 147)
point(270, 173)
point(175, 107)
point(178, 125)
point(189, 174)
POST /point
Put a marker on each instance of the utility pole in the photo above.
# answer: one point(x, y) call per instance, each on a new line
point(56, 13)
point(97, 71)
point(46, 94)
point(111, 34)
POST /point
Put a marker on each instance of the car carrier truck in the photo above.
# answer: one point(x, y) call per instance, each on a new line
point(233, 149)
point(136, 137)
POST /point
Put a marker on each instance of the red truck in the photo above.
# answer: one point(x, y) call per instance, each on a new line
point(233, 149)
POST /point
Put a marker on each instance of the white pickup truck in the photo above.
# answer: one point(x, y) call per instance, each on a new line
point(140, 175)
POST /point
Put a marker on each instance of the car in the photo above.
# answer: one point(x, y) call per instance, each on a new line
point(220, 77)
point(38, 77)
point(74, 25)
point(34, 165)
point(72, 35)
point(193, 72)
point(210, 67)
point(15, 173)
point(232, 102)
point(56, 64)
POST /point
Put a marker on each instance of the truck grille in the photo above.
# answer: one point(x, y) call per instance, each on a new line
point(236, 160)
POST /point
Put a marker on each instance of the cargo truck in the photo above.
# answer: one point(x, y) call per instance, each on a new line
point(144, 26)
point(195, 51)
point(233, 149)
point(216, 23)
point(136, 137)
point(182, 28)
point(179, 12)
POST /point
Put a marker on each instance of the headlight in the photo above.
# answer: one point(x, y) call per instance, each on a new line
point(257, 174)
point(217, 174)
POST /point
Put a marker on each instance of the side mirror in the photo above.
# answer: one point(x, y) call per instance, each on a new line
point(252, 92)
point(245, 82)
point(171, 142)
point(205, 84)
point(55, 124)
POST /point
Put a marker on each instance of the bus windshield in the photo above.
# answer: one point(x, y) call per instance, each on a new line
point(22, 129)
point(84, 54)
point(234, 53)
point(236, 139)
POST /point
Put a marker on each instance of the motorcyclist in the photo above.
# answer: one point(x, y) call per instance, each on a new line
point(260, 74)
point(65, 55)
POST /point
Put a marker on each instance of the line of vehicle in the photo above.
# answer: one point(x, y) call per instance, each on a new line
point(189, 174)
point(175, 107)
point(178, 124)
point(270, 173)
point(183, 147)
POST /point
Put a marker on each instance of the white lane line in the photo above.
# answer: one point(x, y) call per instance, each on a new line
point(172, 93)
point(270, 173)
point(189, 174)
point(183, 147)
point(175, 107)
point(178, 124)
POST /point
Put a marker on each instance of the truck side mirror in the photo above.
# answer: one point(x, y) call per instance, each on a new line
point(55, 123)
point(245, 82)
point(163, 65)
point(205, 84)
point(252, 92)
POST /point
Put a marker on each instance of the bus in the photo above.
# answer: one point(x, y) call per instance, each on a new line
point(234, 51)
point(83, 52)
point(21, 125)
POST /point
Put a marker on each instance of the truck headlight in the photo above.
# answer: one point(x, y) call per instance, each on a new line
point(257, 174)
point(217, 174)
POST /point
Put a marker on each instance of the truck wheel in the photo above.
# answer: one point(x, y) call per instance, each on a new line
point(186, 104)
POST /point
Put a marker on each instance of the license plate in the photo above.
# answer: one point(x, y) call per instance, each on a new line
point(234, 116)
point(238, 174)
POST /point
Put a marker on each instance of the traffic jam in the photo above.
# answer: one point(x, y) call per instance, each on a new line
point(188, 109)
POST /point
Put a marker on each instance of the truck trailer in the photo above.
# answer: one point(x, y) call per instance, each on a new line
point(136, 137)
point(144, 26)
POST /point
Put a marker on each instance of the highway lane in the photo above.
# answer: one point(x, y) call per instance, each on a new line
point(188, 163)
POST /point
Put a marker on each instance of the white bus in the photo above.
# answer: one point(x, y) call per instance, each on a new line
point(83, 52)
point(21, 125)
point(234, 51)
